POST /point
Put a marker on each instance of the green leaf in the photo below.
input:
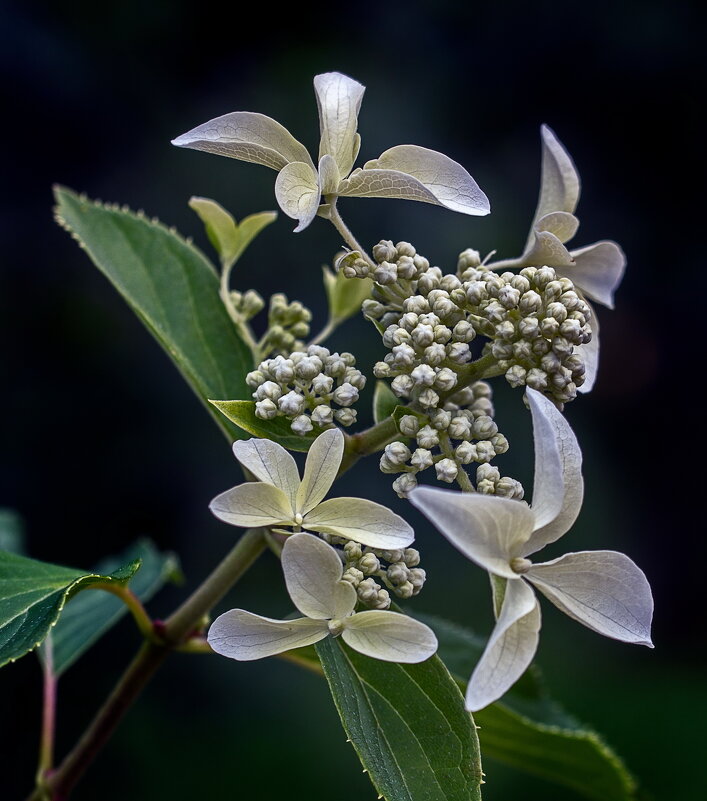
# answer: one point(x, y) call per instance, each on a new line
point(384, 402)
point(172, 288)
point(89, 616)
point(345, 295)
point(407, 724)
point(33, 594)
point(242, 413)
point(530, 731)
point(11, 531)
point(228, 237)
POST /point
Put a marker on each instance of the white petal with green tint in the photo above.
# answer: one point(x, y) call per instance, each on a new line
point(271, 463)
point(560, 223)
point(339, 101)
point(590, 354)
point(509, 650)
point(313, 573)
point(247, 136)
point(598, 270)
point(320, 469)
point(244, 636)
point(559, 487)
point(252, 505)
point(329, 175)
point(361, 520)
point(546, 250)
point(559, 182)
point(604, 590)
point(389, 636)
point(487, 529)
point(441, 178)
point(297, 192)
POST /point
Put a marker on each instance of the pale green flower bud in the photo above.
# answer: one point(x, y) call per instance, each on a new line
point(301, 425)
point(466, 452)
point(417, 304)
point(487, 472)
point(505, 330)
point(402, 385)
point(322, 384)
point(255, 378)
point(409, 321)
point(404, 355)
point(405, 249)
point(268, 389)
point(323, 415)
point(423, 335)
point(265, 409)
point(409, 425)
point(428, 399)
point(500, 443)
point(445, 379)
point(368, 590)
point(385, 273)
point(422, 459)
point(369, 564)
point(404, 483)
point(291, 404)
point(516, 375)
point(458, 352)
point(385, 251)
point(397, 453)
point(485, 451)
point(530, 303)
point(308, 367)
point(397, 573)
point(476, 292)
point(468, 258)
point(372, 309)
point(543, 276)
point(435, 354)
point(486, 487)
point(508, 297)
point(251, 304)
point(417, 577)
point(382, 600)
point(345, 416)
point(459, 428)
point(446, 470)
point(501, 350)
point(405, 590)
point(440, 419)
point(353, 575)
point(353, 551)
point(427, 282)
point(463, 331)
point(411, 557)
point(282, 370)
point(355, 377)
point(427, 437)
point(406, 268)
point(334, 365)
point(536, 379)
point(381, 370)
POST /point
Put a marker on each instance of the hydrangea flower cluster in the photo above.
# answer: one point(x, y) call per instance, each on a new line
point(288, 325)
point(306, 387)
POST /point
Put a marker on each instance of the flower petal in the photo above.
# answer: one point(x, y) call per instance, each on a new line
point(487, 529)
point(598, 270)
point(389, 636)
point(313, 573)
point(269, 462)
point(546, 250)
point(443, 181)
point(361, 520)
point(604, 590)
point(559, 182)
point(559, 487)
point(247, 136)
point(561, 223)
point(339, 101)
point(244, 636)
point(253, 504)
point(320, 469)
point(297, 192)
point(590, 354)
point(509, 650)
point(329, 176)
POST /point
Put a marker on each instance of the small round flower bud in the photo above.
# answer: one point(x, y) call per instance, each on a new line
point(423, 375)
point(334, 366)
point(409, 321)
point(449, 283)
point(385, 251)
point(543, 277)
point(458, 352)
point(265, 409)
point(369, 564)
point(423, 335)
point(446, 470)
point(368, 590)
point(397, 572)
point(404, 483)
point(345, 416)
point(463, 331)
point(385, 273)
point(353, 575)
point(405, 249)
point(505, 330)
point(372, 309)
point(530, 303)
point(500, 443)
point(345, 395)
point(322, 415)
point(254, 378)
point(445, 379)
point(428, 398)
point(251, 303)
point(509, 488)
point(508, 297)
point(268, 389)
point(422, 459)
point(516, 375)
point(381, 370)
point(301, 425)
point(536, 379)
point(435, 354)
point(476, 292)
point(411, 557)
point(484, 451)
point(409, 425)
point(417, 577)
point(402, 385)
point(406, 268)
point(468, 258)
point(397, 452)
point(282, 370)
point(382, 600)
point(466, 452)
point(440, 419)
point(405, 590)
point(427, 437)
point(353, 551)
point(417, 304)
point(459, 428)
point(403, 355)
point(291, 404)
point(322, 384)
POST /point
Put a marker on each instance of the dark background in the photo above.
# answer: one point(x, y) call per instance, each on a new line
point(102, 442)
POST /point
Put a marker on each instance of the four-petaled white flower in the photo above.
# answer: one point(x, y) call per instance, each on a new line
point(279, 498)
point(407, 171)
point(596, 270)
point(604, 590)
point(313, 572)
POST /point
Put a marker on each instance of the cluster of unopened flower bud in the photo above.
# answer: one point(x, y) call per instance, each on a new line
point(288, 325)
point(306, 386)
point(247, 304)
point(367, 569)
point(536, 321)
point(463, 431)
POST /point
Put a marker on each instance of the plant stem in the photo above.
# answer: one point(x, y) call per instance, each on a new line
point(148, 659)
point(343, 229)
point(128, 597)
point(366, 442)
point(328, 329)
point(46, 743)
point(241, 325)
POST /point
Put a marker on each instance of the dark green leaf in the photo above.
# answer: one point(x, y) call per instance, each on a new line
point(172, 288)
point(242, 413)
point(529, 730)
point(32, 596)
point(407, 724)
point(91, 614)
point(384, 401)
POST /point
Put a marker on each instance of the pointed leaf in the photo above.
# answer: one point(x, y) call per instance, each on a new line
point(320, 469)
point(389, 636)
point(32, 596)
point(253, 504)
point(487, 529)
point(339, 101)
point(510, 649)
point(244, 636)
point(362, 521)
point(247, 136)
point(242, 413)
point(604, 590)
point(559, 486)
point(598, 270)
point(172, 288)
point(91, 614)
point(297, 191)
point(313, 573)
point(271, 463)
point(407, 724)
point(385, 401)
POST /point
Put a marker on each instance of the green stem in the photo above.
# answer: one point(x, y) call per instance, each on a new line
point(128, 597)
point(173, 634)
point(445, 445)
point(366, 442)
point(326, 332)
point(241, 325)
point(343, 229)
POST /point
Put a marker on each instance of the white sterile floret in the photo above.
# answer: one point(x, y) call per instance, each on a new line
point(314, 578)
point(406, 171)
point(604, 590)
point(280, 498)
